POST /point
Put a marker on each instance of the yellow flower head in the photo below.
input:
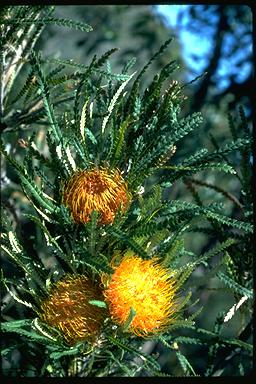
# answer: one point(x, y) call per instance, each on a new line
point(145, 286)
point(102, 190)
point(68, 309)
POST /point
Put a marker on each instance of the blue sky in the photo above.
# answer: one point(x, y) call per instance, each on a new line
point(190, 43)
point(201, 45)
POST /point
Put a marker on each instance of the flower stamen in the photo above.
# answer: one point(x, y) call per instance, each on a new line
point(68, 309)
point(145, 286)
point(102, 190)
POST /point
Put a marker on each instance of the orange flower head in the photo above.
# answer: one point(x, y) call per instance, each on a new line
point(102, 190)
point(68, 309)
point(145, 286)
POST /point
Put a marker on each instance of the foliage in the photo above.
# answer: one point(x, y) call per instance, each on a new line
point(82, 116)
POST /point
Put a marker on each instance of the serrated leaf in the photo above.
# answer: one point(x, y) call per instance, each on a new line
point(114, 100)
point(234, 285)
point(117, 233)
point(185, 364)
point(70, 352)
point(52, 20)
point(229, 222)
point(15, 324)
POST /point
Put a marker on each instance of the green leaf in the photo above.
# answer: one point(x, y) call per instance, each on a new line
point(92, 227)
point(216, 250)
point(15, 324)
point(229, 222)
point(129, 319)
point(117, 233)
point(133, 92)
point(51, 242)
point(52, 20)
point(46, 97)
point(235, 286)
point(147, 358)
point(120, 142)
point(240, 343)
point(28, 85)
point(122, 365)
point(15, 297)
point(68, 352)
point(114, 101)
point(189, 340)
point(98, 303)
point(220, 152)
point(185, 364)
point(16, 252)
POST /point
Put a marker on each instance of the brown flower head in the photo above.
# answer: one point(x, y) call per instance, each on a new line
point(102, 190)
point(68, 309)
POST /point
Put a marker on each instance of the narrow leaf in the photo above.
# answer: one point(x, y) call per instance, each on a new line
point(98, 303)
point(129, 319)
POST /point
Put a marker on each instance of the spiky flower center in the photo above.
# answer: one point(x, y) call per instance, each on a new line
point(68, 309)
point(145, 286)
point(102, 190)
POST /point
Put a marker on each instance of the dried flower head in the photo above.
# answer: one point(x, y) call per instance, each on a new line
point(68, 309)
point(102, 190)
point(145, 286)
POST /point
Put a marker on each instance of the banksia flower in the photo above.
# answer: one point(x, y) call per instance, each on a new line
point(102, 190)
point(145, 286)
point(68, 309)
